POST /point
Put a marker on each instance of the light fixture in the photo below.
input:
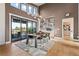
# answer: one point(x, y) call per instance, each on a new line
point(67, 14)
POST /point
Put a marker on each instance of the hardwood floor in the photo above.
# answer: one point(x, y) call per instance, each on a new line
point(60, 48)
point(11, 50)
point(64, 48)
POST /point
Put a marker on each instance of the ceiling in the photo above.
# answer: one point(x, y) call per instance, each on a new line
point(38, 4)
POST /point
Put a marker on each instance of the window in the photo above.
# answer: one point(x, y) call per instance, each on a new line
point(30, 27)
point(21, 27)
point(30, 9)
point(16, 5)
point(35, 11)
point(34, 27)
point(23, 7)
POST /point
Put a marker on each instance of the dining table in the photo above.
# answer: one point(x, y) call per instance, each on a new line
point(35, 39)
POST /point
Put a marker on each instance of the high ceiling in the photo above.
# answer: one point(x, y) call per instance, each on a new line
point(38, 4)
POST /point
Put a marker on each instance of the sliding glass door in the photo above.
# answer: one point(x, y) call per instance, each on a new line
point(23, 29)
point(16, 30)
point(30, 28)
point(34, 27)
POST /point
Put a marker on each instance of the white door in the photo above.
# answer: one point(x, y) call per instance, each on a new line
point(67, 28)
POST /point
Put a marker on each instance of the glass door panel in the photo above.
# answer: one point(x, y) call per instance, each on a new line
point(16, 30)
point(34, 27)
point(20, 29)
point(30, 28)
point(23, 29)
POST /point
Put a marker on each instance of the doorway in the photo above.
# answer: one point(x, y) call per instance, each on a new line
point(68, 28)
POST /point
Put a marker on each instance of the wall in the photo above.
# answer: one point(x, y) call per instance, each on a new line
point(2, 24)
point(10, 9)
point(78, 20)
point(58, 11)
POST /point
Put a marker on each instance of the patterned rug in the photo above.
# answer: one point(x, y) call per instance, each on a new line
point(41, 50)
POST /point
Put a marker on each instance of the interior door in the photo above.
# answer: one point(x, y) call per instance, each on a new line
point(67, 28)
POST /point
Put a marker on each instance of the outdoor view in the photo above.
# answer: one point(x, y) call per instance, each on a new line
point(34, 27)
point(16, 30)
point(30, 28)
point(21, 28)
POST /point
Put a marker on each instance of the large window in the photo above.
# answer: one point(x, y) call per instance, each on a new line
point(35, 11)
point(30, 9)
point(22, 27)
point(16, 5)
point(24, 7)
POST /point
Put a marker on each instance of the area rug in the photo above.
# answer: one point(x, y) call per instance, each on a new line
point(39, 51)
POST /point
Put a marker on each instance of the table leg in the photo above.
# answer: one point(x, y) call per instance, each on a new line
point(35, 42)
point(27, 41)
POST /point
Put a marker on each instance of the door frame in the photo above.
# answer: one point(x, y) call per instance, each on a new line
point(73, 25)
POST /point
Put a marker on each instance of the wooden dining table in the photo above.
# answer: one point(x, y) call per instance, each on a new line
point(35, 36)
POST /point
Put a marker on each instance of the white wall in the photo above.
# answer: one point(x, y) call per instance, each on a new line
point(78, 20)
point(2, 23)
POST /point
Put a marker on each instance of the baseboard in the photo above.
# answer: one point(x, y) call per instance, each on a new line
point(2, 43)
point(58, 37)
point(8, 42)
point(75, 40)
